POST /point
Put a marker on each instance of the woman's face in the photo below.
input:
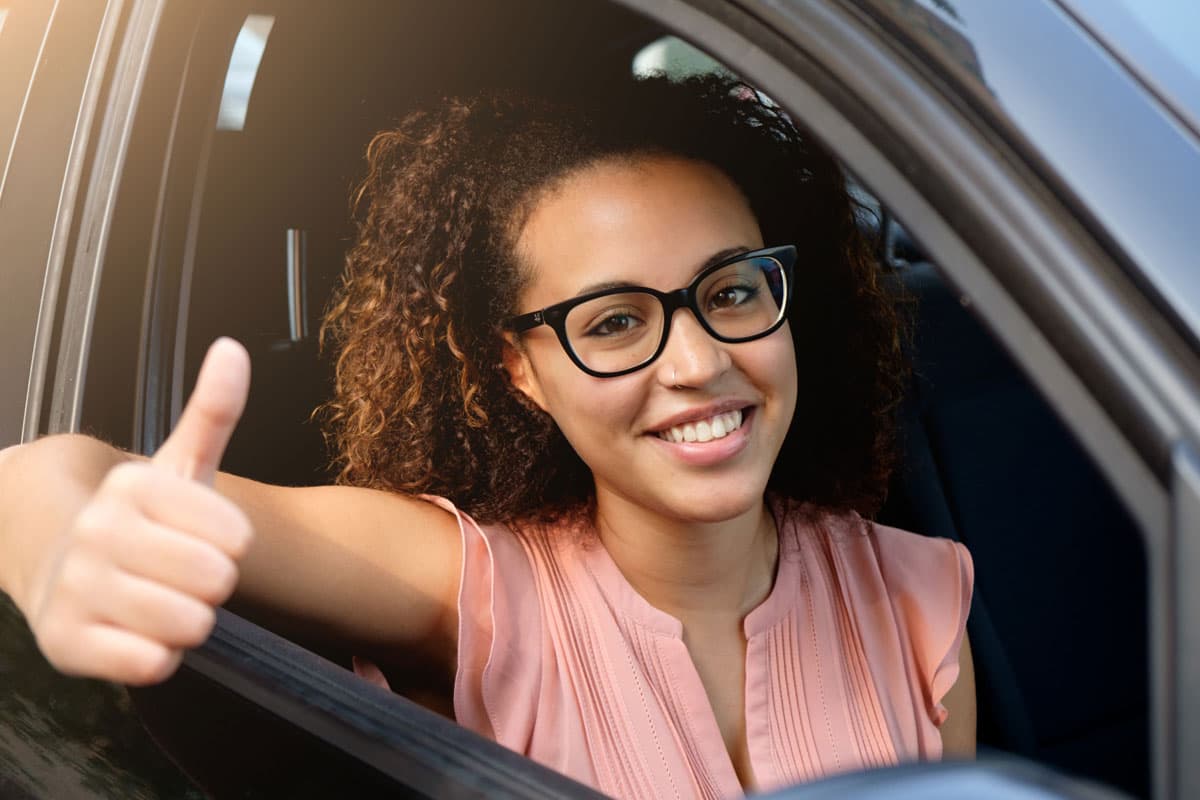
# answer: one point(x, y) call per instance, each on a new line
point(655, 221)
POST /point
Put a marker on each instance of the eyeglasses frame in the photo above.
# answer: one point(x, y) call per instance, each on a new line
point(556, 315)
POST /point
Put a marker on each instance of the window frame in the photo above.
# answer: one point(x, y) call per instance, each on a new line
point(45, 164)
point(833, 59)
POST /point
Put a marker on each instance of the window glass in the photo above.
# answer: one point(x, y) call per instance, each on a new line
point(22, 29)
point(243, 69)
point(1157, 40)
point(673, 56)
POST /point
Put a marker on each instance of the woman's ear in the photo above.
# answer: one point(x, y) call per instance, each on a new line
point(521, 373)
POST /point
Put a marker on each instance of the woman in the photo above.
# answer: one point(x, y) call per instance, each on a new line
point(614, 385)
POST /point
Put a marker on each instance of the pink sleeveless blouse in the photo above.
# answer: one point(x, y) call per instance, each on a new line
point(847, 659)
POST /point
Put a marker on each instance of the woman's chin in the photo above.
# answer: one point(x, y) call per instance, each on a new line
point(706, 505)
point(690, 498)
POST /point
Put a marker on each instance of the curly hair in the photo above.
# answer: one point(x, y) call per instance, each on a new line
point(422, 402)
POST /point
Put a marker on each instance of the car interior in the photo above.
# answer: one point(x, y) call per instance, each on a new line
point(1059, 618)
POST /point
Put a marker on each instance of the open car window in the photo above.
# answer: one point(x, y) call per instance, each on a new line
point(231, 217)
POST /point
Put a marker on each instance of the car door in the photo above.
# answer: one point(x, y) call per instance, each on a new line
point(168, 231)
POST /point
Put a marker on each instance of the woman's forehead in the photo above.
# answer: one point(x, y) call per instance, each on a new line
point(651, 221)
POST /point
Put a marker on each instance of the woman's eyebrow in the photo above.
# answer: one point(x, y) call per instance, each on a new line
point(715, 258)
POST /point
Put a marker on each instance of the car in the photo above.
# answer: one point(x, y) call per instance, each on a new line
point(172, 171)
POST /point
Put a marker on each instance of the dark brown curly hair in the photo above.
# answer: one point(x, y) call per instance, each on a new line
point(423, 403)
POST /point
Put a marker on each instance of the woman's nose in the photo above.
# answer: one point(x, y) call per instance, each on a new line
point(692, 358)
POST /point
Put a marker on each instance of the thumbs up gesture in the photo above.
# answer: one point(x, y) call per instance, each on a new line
point(136, 576)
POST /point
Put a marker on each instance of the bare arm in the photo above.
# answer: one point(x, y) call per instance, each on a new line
point(117, 561)
point(365, 570)
point(958, 731)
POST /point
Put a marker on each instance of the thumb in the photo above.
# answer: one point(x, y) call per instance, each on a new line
point(194, 448)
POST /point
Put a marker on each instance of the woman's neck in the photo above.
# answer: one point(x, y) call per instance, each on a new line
point(699, 572)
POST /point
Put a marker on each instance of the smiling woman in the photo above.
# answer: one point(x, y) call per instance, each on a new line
point(553, 377)
point(585, 527)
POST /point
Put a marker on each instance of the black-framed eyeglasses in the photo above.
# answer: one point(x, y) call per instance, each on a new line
point(615, 331)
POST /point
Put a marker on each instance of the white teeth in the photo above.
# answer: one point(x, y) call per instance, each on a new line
point(717, 426)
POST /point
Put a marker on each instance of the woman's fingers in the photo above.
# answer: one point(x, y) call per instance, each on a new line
point(174, 502)
point(93, 589)
point(127, 573)
point(115, 654)
point(177, 560)
point(152, 610)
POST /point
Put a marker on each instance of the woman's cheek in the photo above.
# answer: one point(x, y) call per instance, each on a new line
point(596, 414)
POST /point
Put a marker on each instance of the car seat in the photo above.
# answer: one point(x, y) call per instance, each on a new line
point(1059, 618)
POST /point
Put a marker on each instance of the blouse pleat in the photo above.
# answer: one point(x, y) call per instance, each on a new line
point(842, 658)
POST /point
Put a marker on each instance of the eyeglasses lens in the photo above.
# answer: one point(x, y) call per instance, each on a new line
point(620, 331)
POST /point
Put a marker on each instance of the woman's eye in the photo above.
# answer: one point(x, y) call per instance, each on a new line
point(614, 325)
point(732, 296)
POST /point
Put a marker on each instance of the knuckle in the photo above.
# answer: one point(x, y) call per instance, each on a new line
point(57, 638)
point(96, 521)
point(197, 626)
point(220, 579)
point(226, 525)
point(127, 477)
point(154, 666)
point(241, 532)
point(226, 581)
point(76, 576)
point(49, 635)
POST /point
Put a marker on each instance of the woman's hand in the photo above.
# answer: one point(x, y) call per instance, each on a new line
point(136, 575)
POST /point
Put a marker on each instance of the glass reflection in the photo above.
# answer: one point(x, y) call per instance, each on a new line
point(243, 69)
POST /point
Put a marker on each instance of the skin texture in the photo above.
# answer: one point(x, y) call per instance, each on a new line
point(377, 572)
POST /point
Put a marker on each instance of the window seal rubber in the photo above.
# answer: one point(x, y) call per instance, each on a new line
point(416, 747)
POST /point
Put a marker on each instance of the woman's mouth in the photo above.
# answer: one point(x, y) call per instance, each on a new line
point(707, 442)
point(718, 426)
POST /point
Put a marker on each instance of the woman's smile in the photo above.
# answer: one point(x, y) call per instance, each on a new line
point(708, 441)
point(702, 426)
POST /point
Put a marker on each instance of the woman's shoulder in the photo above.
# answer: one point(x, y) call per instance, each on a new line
point(917, 564)
point(901, 587)
point(917, 573)
point(904, 559)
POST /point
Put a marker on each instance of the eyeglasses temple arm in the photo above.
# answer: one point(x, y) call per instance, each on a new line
point(525, 322)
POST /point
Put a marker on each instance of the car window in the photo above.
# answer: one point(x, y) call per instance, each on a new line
point(251, 212)
point(1008, 478)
